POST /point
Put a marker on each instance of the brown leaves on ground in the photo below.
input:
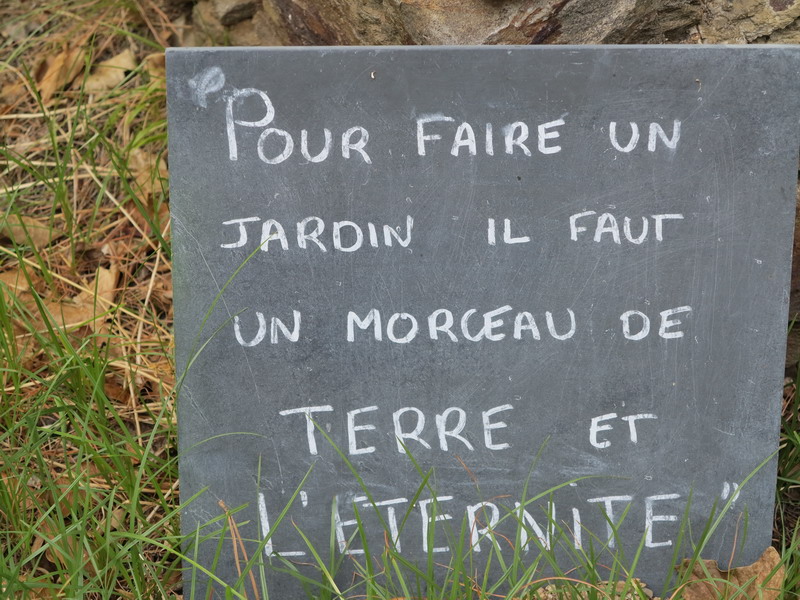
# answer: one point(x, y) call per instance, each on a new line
point(53, 73)
point(89, 309)
point(763, 580)
point(149, 171)
point(110, 73)
point(57, 72)
point(26, 230)
point(60, 70)
point(150, 176)
point(155, 65)
point(91, 305)
point(78, 257)
point(15, 281)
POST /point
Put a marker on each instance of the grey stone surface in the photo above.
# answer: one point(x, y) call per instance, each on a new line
point(231, 12)
point(710, 396)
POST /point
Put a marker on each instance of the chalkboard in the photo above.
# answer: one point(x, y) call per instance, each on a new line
point(529, 269)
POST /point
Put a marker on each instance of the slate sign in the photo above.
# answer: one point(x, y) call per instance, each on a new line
point(528, 268)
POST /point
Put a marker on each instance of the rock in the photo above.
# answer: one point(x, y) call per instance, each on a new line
point(269, 28)
point(244, 33)
point(381, 22)
point(474, 21)
point(626, 21)
point(176, 8)
point(550, 21)
point(746, 21)
point(338, 22)
point(207, 30)
point(231, 12)
point(788, 35)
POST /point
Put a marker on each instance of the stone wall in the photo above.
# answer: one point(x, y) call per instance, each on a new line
point(380, 22)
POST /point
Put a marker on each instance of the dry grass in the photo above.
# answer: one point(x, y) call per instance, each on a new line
point(88, 466)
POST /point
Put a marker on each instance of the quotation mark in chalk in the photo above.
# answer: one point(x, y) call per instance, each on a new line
point(730, 489)
point(206, 82)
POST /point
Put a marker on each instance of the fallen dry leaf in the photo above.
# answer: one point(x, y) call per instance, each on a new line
point(115, 520)
point(110, 73)
point(148, 170)
point(22, 229)
point(10, 94)
point(14, 280)
point(116, 392)
point(88, 308)
point(763, 580)
point(118, 518)
point(150, 173)
point(59, 71)
point(155, 65)
point(13, 284)
point(43, 593)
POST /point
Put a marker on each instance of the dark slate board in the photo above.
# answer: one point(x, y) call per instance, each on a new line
point(712, 395)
